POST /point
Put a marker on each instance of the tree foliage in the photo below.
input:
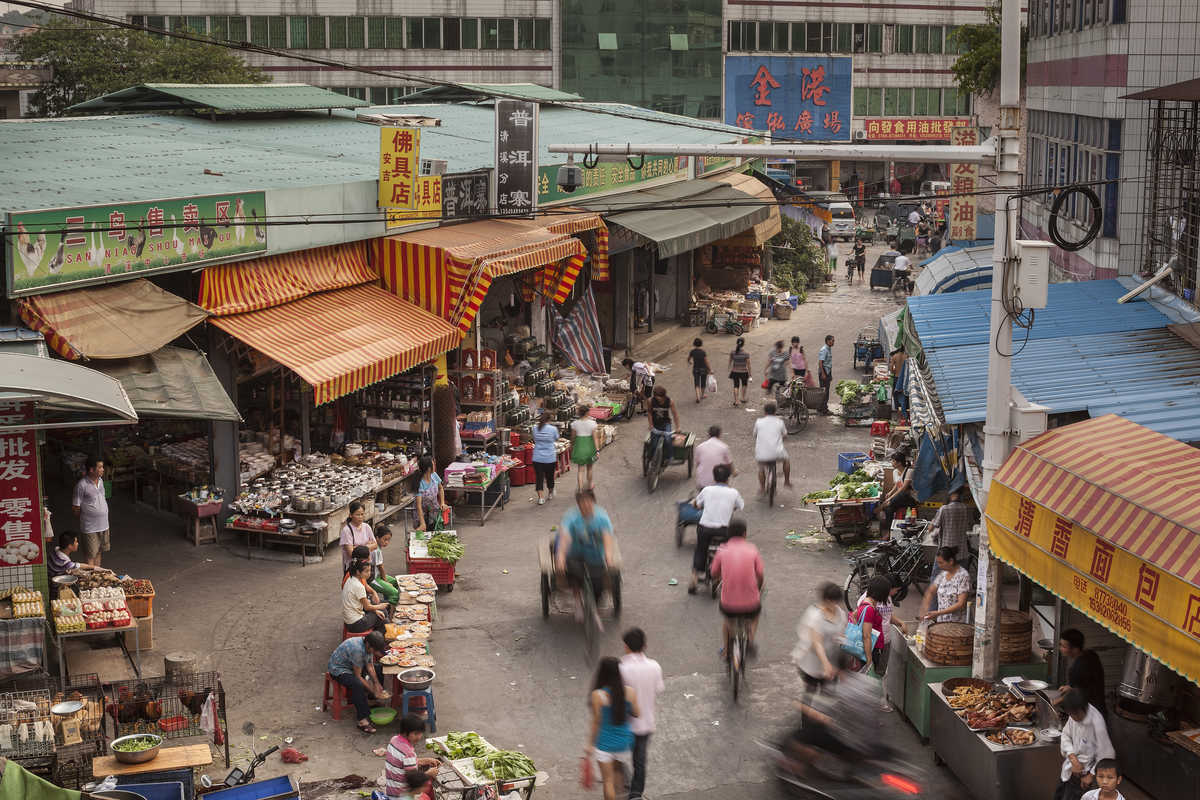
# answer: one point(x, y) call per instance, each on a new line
point(797, 257)
point(977, 69)
point(90, 59)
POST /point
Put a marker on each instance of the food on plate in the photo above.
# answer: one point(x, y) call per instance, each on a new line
point(1012, 737)
point(425, 598)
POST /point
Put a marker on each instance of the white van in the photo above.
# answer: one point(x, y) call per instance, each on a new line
point(842, 224)
point(930, 188)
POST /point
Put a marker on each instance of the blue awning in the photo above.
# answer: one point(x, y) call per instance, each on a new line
point(955, 269)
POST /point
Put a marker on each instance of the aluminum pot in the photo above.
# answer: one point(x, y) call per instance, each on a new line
point(1147, 681)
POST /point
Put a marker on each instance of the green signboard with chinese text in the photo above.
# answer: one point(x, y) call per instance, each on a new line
point(79, 246)
point(607, 176)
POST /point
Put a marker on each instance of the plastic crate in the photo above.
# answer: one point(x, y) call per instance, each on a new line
point(441, 570)
point(848, 462)
point(155, 791)
point(259, 790)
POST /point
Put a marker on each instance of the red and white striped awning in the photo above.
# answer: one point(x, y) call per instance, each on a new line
point(264, 282)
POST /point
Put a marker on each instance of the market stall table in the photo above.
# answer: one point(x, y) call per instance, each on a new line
point(185, 756)
point(990, 771)
point(109, 631)
point(498, 486)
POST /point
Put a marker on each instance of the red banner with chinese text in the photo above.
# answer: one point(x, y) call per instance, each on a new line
point(20, 490)
point(919, 129)
point(964, 182)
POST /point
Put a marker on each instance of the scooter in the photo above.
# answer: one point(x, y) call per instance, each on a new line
point(872, 777)
point(237, 776)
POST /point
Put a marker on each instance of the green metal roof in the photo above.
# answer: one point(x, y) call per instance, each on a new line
point(224, 98)
point(479, 91)
point(79, 161)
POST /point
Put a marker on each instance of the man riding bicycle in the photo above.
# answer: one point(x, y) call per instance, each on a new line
point(718, 501)
point(900, 269)
point(769, 431)
point(585, 542)
point(739, 567)
point(662, 413)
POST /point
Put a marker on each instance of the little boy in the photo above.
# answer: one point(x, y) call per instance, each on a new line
point(382, 582)
point(60, 562)
point(1108, 778)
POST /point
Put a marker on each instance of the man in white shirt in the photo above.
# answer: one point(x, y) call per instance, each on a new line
point(709, 453)
point(645, 676)
point(91, 509)
point(901, 269)
point(717, 502)
point(1084, 744)
point(914, 217)
point(769, 431)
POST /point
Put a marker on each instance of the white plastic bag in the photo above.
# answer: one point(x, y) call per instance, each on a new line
point(712, 383)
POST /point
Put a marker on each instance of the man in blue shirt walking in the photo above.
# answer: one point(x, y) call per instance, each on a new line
point(825, 370)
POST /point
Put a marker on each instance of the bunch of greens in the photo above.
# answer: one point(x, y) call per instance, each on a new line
point(446, 546)
point(857, 491)
point(850, 391)
point(822, 495)
point(461, 745)
point(858, 476)
point(505, 765)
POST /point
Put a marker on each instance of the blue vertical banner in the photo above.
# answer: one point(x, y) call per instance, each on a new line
point(793, 97)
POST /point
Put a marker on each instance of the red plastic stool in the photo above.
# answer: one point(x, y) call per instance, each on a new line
point(882, 428)
point(334, 696)
point(346, 634)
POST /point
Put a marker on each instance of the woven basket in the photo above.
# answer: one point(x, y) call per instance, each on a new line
point(950, 643)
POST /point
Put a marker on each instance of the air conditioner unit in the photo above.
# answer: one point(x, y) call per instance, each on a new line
point(860, 136)
point(433, 166)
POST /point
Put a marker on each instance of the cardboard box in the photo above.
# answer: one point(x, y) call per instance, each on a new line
point(145, 635)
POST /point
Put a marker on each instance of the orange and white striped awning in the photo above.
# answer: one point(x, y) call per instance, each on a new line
point(343, 340)
point(448, 270)
point(265, 282)
point(1103, 513)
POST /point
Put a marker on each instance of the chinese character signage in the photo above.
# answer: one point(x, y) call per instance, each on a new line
point(792, 97)
point(466, 195)
point(20, 492)
point(427, 193)
point(610, 175)
point(516, 157)
point(920, 129)
point(964, 182)
point(399, 163)
point(1137, 599)
point(72, 247)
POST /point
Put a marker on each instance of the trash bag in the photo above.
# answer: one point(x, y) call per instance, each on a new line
point(712, 384)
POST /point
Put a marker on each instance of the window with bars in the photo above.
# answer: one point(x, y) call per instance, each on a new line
point(218, 28)
point(337, 33)
point(508, 34)
point(376, 33)
point(316, 33)
point(237, 29)
point(379, 95)
point(541, 34)
point(525, 34)
point(469, 31)
point(299, 31)
point(156, 23)
point(258, 31)
point(277, 32)
point(489, 37)
point(433, 32)
point(843, 38)
point(904, 39)
point(394, 33)
point(867, 102)
point(874, 38)
point(743, 36)
point(356, 33)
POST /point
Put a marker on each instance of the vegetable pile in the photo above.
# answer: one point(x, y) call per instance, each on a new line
point(446, 546)
point(851, 392)
point(461, 745)
point(856, 485)
point(505, 765)
point(137, 745)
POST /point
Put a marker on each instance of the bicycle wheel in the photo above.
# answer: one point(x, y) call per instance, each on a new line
point(856, 584)
point(736, 662)
point(656, 466)
point(797, 419)
point(545, 587)
point(771, 480)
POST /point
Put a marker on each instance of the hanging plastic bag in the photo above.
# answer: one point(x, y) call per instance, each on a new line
point(712, 384)
point(587, 778)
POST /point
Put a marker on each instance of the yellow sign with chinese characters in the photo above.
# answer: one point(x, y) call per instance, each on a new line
point(1145, 605)
point(399, 165)
point(428, 193)
point(964, 182)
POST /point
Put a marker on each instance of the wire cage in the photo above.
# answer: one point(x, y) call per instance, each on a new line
point(168, 707)
point(86, 688)
point(1173, 196)
point(26, 727)
point(73, 766)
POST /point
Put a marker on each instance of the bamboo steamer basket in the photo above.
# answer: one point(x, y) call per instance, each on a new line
point(1016, 637)
point(950, 643)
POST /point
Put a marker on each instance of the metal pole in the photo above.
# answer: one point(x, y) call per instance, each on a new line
point(996, 425)
point(984, 153)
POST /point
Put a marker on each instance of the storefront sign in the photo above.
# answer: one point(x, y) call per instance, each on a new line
point(920, 129)
point(516, 157)
point(1135, 599)
point(707, 164)
point(399, 163)
point(20, 490)
point(466, 195)
point(427, 194)
point(77, 246)
point(964, 182)
point(792, 97)
point(609, 175)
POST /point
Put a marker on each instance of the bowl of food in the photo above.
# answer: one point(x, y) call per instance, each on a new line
point(949, 686)
point(416, 678)
point(137, 748)
point(1031, 686)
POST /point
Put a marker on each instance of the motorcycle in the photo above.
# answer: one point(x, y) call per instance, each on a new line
point(237, 776)
point(880, 775)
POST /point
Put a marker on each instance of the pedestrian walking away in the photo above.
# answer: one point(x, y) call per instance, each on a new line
point(709, 453)
point(545, 457)
point(645, 676)
point(769, 431)
point(91, 509)
point(718, 502)
point(777, 367)
point(950, 526)
point(700, 368)
point(585, 445)
point(739, 370)
point(798, 359)
point(610, 736)
point(825, 370)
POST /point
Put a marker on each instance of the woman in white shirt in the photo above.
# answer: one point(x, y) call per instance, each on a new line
point(816, 651)
point(951, 588)
point(585, 446)
point(359, 614)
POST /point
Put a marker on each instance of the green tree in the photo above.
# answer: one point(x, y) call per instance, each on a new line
point(977, 69)
point(797, 258)
point(90, 59)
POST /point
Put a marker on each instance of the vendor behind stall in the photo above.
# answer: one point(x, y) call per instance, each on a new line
point(950, 588)
point(901, 496)
point(431, 494)
point(358, 612)
point(60, 562)
point(381, 582)
point(356, 532)
point(1085, 673)
point(352, 664)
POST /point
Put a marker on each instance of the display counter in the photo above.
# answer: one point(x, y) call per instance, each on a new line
point(909, 672)
point(1161, 768)
point(989, 771)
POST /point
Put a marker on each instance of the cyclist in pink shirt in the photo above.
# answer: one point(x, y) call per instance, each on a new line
point(739, 567)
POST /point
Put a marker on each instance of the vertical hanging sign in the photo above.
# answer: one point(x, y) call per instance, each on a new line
point(399, 161)
point(20, 490)
point(964, 182)
point(516, 157)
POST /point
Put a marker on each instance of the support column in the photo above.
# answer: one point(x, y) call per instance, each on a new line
point(223, 446)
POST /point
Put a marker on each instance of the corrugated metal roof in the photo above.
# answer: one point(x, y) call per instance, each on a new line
point(476, 91)
point(228, 97)
point(955, 269)
point(77, 161)
point(1073, 309)
point(1149, 376)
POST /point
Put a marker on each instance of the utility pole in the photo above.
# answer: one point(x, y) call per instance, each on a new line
point(986, 661)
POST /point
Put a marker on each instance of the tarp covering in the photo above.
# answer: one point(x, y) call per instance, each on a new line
point(343, 340)
point(173, 382)
point(1103, 513)
point(56, 384)
point(123, 320)
point(264, 282)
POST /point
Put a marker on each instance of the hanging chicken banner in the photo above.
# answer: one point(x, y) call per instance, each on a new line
point(63, 248)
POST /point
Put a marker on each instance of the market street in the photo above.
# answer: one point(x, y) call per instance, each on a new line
point(268, 626)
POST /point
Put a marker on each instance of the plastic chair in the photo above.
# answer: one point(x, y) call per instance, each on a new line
point(334, 696)
point(426, 698)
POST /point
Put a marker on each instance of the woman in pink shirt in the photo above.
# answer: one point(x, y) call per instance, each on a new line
point(709, 453)
point(739, 567)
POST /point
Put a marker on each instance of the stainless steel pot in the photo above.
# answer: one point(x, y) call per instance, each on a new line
point(1147, 681)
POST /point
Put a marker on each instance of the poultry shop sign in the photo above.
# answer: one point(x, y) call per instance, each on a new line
point(62, 248)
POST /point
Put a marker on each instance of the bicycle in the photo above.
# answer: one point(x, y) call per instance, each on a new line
point(735, 651)
point(901, 285)
point(789, 399)
point(905, 558)
point(771, 468)
point(591, 616)
point(654, 462)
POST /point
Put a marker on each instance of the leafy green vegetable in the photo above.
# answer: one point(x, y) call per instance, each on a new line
point(505, 765)
point(446, 547)
point(850, 391)
point(822, 495)
point(136, 745)
point(461, 745)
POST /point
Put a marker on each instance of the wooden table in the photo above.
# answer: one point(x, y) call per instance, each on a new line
point(184, 756)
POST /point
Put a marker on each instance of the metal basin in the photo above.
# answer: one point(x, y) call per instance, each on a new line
point(139, 757)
